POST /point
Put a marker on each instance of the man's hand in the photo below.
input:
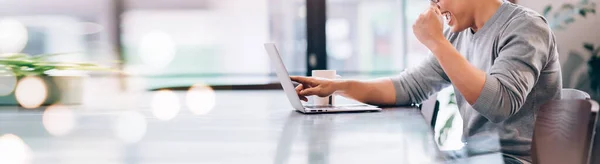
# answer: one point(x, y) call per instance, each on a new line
point(314, 86)
point(429, 27)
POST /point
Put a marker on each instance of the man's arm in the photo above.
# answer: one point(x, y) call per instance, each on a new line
point(465, 77)
point(502, 91)
point(378, 91)
point(411, 86)
point(524, 48)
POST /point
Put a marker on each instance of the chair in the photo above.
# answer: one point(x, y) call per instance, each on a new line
point(429, 109)
point(595, 152)
point(570, 94)
point(562, 132)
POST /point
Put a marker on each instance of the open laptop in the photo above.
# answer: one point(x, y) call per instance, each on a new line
point(290, 91)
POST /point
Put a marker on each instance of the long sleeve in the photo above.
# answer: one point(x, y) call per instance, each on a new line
point(522, 54)
point(417, 84)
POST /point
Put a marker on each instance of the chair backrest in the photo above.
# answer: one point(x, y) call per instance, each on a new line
point(429, 109)
point(561, 133)
point(595, 150)
point(569, 94)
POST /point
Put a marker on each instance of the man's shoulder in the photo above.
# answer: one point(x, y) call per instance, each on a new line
point(520, 15)
point(523, 22)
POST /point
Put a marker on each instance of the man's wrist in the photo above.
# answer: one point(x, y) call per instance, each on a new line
point(439, 47)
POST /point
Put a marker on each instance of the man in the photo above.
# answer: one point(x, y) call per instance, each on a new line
point(500, 57)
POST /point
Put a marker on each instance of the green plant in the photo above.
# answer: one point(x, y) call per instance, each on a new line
point(565, 15)
point(26, 65)
point(594, 65)
point(445, 130)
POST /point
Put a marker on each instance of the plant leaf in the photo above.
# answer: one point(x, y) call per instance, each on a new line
point(567, 6)
point(547, 10)
point(589, 47)
point(582, 12)
point(452, 98)
point(594, 64)
point(26, 65)
point(569, 20)
point(16, 62)
point(447, 126)
point(448, 123)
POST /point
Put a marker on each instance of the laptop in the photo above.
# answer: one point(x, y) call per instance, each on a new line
point(290, 91)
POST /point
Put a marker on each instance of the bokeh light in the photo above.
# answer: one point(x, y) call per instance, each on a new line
point(165, 105)
point(31, 92)
point(8, 81)
point(157, 49)
point(58, 120)
point(13, 36)
point(130, 127)
point(302, 12)
point(13, 150)
point(201, 99)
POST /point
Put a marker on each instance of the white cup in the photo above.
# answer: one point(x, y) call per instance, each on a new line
point(327, 74)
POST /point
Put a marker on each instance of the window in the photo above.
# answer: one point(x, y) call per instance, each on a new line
point(373, 36)
point(172, 43)
point(41, 26)
point(214, 39)
point(365, 36)
point(46, 34)
point(416, 52)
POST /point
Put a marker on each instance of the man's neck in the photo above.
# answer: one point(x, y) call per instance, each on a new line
point(483, 12)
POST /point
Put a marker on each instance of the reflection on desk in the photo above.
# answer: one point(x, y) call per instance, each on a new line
point(356, 138)
point(243, 127)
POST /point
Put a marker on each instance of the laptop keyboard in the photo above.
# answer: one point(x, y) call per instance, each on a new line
point(320, 107)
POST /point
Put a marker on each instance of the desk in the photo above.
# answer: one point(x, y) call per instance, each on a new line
point(243, 127)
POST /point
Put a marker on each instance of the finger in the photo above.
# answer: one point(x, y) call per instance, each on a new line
point(424, 15)
point(429, 12)
point(303, 98)
point(437, 7)
point(420, 18)
point(309, 92)
point(298, 89)
point(303, 80)
point(436, 10)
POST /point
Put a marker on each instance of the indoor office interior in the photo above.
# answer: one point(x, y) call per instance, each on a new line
point(192, 81)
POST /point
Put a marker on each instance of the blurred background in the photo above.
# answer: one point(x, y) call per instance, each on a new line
point(186, 39)
point(175, 44)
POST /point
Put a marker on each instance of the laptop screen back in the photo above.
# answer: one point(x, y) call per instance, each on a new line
point(283, 76)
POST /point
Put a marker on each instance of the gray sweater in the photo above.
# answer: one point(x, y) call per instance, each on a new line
point(517, 50)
